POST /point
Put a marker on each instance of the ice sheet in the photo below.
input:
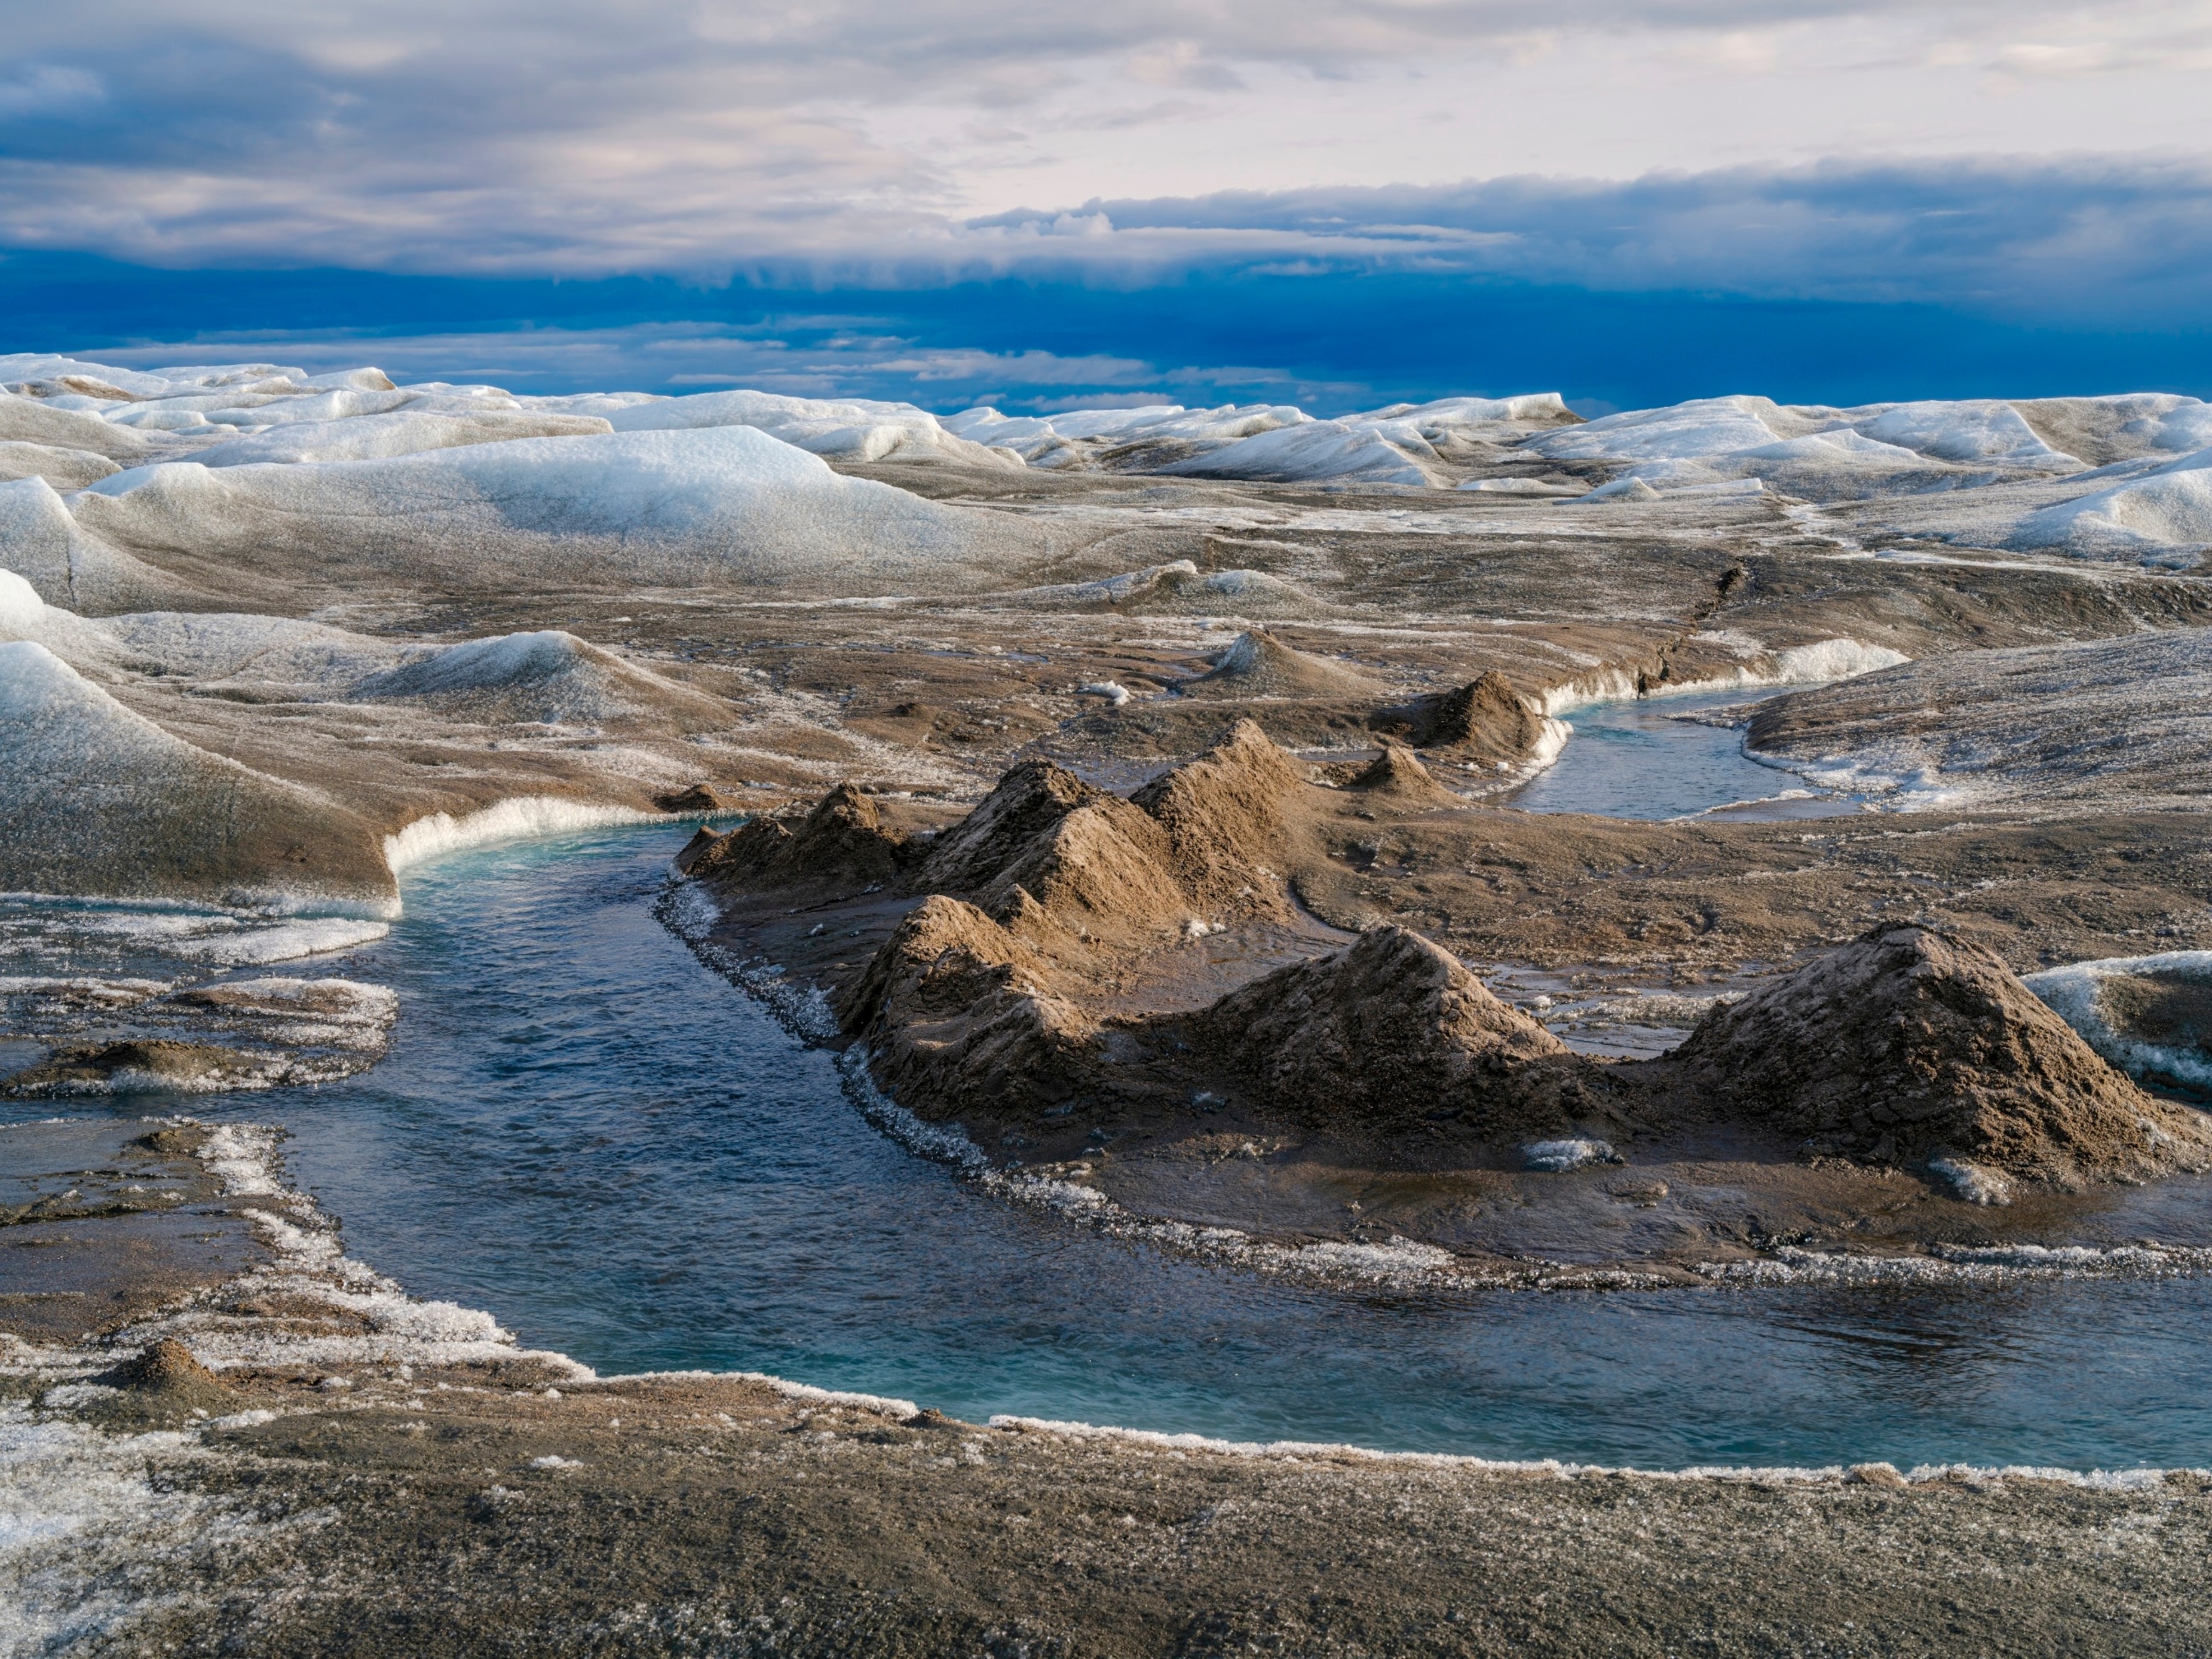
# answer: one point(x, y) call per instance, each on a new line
point(726, 504)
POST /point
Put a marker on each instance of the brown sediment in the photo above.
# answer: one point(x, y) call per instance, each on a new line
point(1391, 1036)
point(1910, 1045)
point(399, 1501)
point(470, 1511)
point(1174, 971)
point(1483, 720)
point(699, 798)
point(2172, 1010)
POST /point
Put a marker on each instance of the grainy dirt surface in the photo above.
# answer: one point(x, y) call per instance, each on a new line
point(717, 1517)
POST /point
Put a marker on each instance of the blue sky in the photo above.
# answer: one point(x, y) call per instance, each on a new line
point(1336, 204)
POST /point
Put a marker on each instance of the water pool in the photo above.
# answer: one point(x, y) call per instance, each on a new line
point(1637, 759)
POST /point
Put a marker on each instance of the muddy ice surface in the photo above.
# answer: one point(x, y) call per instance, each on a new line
point(1148, 794)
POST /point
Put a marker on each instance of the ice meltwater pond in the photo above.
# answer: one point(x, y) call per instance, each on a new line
point(623, 1157)
point(1638, 758)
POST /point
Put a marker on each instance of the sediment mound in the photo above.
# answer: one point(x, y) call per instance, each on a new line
point(1397, 775)
point(163, 1383)
point(1909, 1044)
point(1027, 801)
point(955, 1008)
point(1392, 1033)
point(1200, 836)
point(1224, 814)
point(1105, 868)
point(1484, 720)
point(1261, 665)
point(841, 843)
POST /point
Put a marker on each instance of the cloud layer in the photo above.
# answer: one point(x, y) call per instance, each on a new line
point(860, 137)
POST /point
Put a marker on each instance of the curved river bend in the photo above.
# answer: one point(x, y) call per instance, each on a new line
point(623, 1157)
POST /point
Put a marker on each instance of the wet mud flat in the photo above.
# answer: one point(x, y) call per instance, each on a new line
point(355, 1474)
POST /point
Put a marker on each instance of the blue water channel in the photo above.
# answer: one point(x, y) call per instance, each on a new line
point(584, 1130)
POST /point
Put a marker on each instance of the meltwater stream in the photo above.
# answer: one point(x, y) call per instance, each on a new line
point(622, 1156)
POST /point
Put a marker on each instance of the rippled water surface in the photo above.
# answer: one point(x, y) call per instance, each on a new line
point(583, 1130)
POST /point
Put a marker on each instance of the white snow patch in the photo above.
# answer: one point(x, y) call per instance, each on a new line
point(1826, 660)
point(79, 1510)
point(1973, 1183)
point(518, 819)
point(285, 942)
point(1556, 1157)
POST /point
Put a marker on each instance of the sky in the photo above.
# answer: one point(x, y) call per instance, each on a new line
point(1334, 203)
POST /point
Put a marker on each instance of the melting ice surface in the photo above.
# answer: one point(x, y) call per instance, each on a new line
point(622, 1156)
point(1635, 759)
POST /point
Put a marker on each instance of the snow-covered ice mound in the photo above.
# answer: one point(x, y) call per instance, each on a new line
point(544, 677)
point(1120, 439)
point(1355, 451)
point(2111, 724)
point(238, 656)
point(42, 541)
point(1410, 444)
point(378, 437)
point(64, 468)
point(857, 431)
point(1818, 452)
point(2127, 426)
point(1404, 444)
point(722, 506)
point(30, 420)
point(96, 799)
point(549, 677)
point(2163, 518)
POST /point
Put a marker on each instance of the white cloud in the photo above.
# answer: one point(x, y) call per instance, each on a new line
point(590, 135)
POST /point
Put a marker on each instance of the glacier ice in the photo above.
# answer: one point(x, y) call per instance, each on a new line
point(718, 505)
point(241, 417)
point(97, 799)
point(857, 431)
point(2169, 510)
